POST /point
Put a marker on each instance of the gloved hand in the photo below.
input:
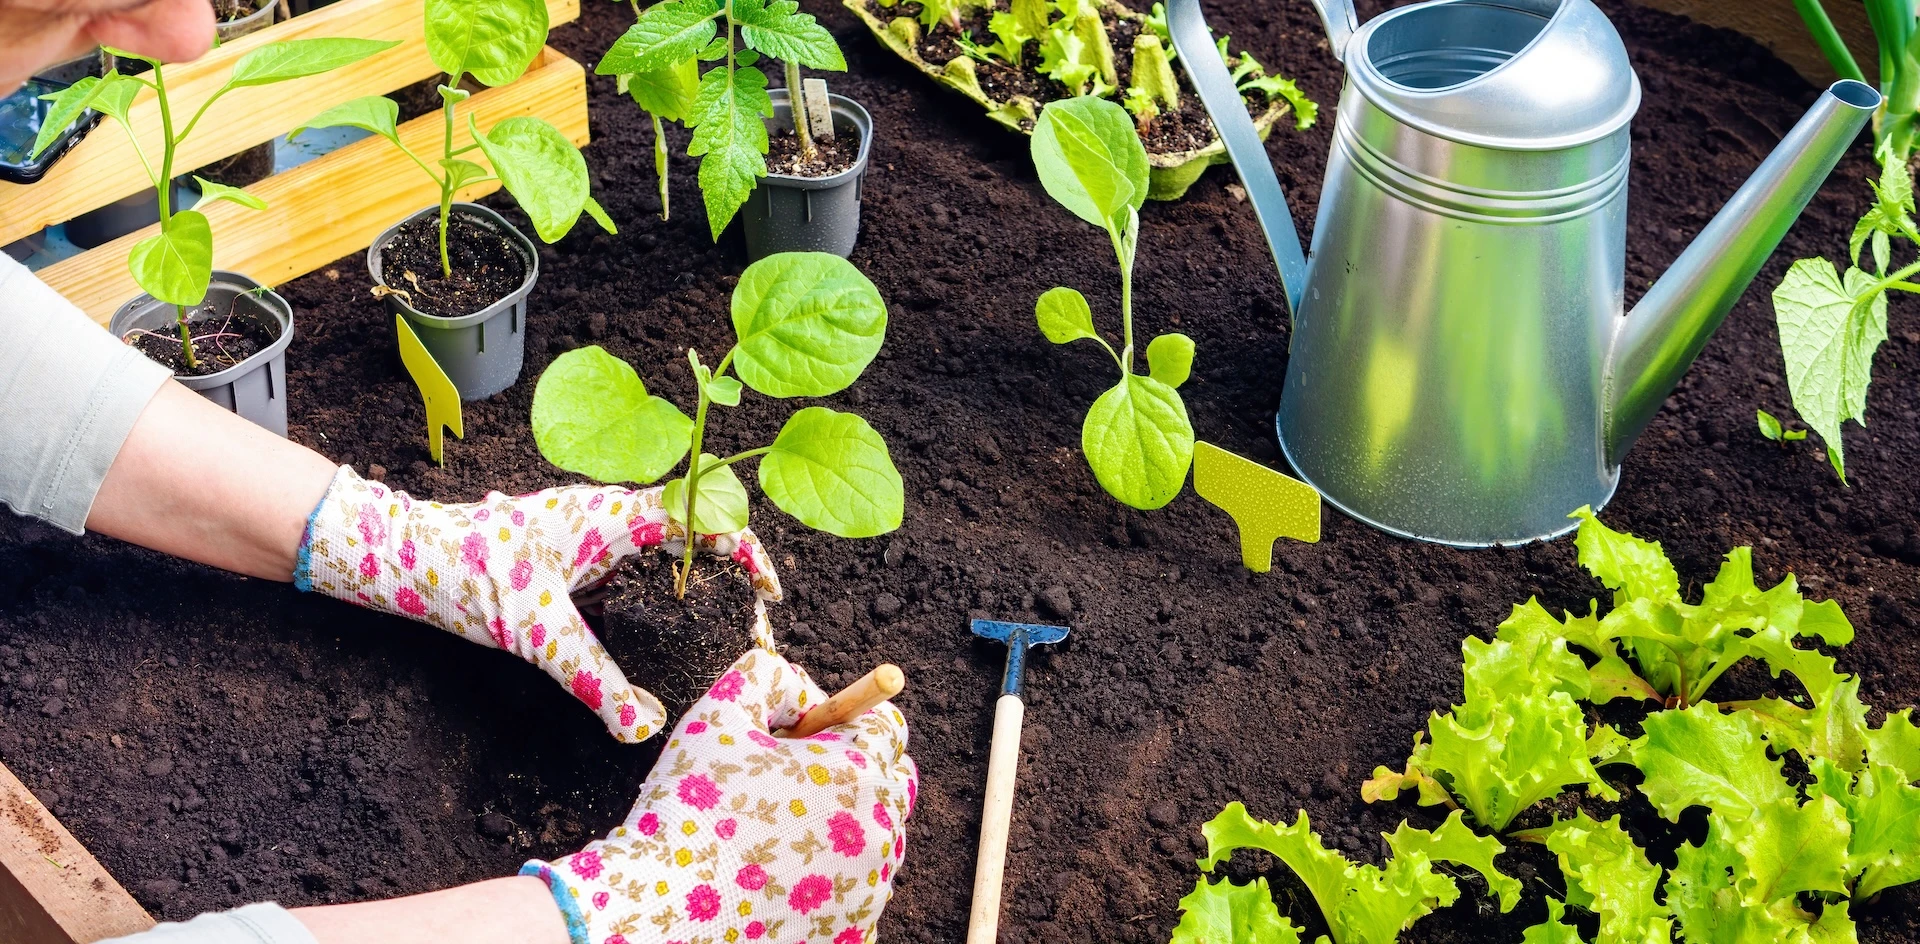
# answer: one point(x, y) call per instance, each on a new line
point(742, 836)
point(499, 572)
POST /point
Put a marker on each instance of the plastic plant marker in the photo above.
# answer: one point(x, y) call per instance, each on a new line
point(813, 92)
point(1265, 504)
point(437, 391)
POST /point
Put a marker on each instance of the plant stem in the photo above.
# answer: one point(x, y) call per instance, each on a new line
point(446, 185)
point(1124, 243)
point(797, 107)
point(164, 190)
point(660, 162)
point(693, 486)
point(1828, 39)
point(738, 456)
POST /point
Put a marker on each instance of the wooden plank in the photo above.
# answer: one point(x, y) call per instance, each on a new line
point(1776, 25)
point(105, 167)
point(52, 891)
point(335, 205)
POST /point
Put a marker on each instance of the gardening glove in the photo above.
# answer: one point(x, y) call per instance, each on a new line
point(742, 836)
point(500, 572)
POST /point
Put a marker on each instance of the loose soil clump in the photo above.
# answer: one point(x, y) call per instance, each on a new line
point(217, 741)
point(676, 648)
point(220, 341)
point(830, 158)
point(486, 266)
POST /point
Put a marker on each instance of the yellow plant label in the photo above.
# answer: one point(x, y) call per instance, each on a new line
point(1265, 504)
point(439, 394)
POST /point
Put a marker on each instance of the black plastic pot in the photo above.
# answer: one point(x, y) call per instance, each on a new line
point(481, 352)
point(255, 388)
point(297, 7)
point(123, 216)
point(809, 214)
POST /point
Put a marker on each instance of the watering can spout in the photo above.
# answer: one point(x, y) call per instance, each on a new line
point(1656, 342)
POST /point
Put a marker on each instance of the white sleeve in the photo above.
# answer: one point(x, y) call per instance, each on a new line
point(255, 924)
point(69, 395)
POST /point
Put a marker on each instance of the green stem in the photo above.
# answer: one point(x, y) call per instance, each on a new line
point(1123, 247)
point(164, 189)
point(1904, 286)
point(1828, 39)
point(694, 471)
point(797, 108)
point(446, 183)
point(660, 162)
point(738, 456)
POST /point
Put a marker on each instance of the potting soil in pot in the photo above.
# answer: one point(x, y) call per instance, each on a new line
point(220, 340)
point(216, 740)
point(486, 267)
point(677, 648)
point(830, 157)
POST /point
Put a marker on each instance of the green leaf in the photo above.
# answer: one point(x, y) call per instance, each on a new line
point(832, 471)
point(1896, 743)
point(665, 34)
point(1769, 427)
point(115, 94)
point(1139, 442)
point(1553, 930)
point(211, 191)
point(1090, 159)
point(1700, 757)
point(492, 40)
point(592, 415)
point(730, 135)
point(1891, 214)
point(1064, 316)
point(1454, 842)
point(1829, 330)
point(809, 323)
point(1610, 876)
point(1627, 565)
point(1528, 748)
point(1790, 848)
point(460, 173)
point(1170, 359)
point(539, 165)
point(1224, 913)
point(175, 265)
point(780, 30)
point(375, 113)
point(719, 504)
point(67, 105)
point(667, 91)
point(600, 217)
point(724, 391)
point(299, 58)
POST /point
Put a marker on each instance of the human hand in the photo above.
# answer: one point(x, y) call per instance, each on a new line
point(500, 572)
point(739, 835)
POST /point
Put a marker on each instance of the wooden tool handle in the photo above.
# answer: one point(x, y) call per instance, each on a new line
point(851, 702)
point(1003, 762)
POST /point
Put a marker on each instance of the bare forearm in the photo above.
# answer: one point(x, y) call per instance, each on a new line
point(516, 910)
point(196, 481)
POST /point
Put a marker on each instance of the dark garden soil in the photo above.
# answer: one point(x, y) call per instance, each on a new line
point(229, 10)
point(676, 648)
point(220, 340)
point(830, 157)
point(486, 266)
point(218, 740)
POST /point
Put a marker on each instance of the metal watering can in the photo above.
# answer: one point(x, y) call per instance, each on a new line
point(1462, 369)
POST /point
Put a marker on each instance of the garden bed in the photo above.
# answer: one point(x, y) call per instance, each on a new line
point(215, 740)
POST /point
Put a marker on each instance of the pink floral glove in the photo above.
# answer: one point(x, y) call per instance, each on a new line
point(741, 836)
point(500, 571)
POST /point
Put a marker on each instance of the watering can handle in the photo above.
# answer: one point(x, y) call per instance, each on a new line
point(1215, 86)
point(1340, 21)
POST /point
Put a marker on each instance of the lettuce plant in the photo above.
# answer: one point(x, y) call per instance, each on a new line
point(1608, 875)
point(1137, 437)
point(728, 109)
point(175, 265)
point(807, 324)
point(493, 41)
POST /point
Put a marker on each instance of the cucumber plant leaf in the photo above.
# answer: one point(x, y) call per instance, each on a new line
point(721, 506)
point(175, 265)
point(593, 415)
point(832, 472)
point(809, 323)
point(299, 58)
point(1830, 328)
point(492, 40)
point(1224, 913)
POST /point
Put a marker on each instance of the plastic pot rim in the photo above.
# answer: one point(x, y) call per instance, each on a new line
point(268, 298)
point(528, 252)
point(839, 104)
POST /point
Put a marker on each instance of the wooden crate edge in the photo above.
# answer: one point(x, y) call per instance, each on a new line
point(52, 890)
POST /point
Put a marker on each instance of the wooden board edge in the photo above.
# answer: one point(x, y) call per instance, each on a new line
point(52, 890)
point(1776, 25)
point(307, 224)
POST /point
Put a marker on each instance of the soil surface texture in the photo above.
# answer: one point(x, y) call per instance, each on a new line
point(217, 740)
point(830, 157)
point(230, 10)
point(486, 265)
point(220, 340)
point(676, 647)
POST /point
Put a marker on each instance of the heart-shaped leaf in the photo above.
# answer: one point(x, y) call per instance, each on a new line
point(1139, 442)
point(809, 323)
point(832, 471)
point(719, 504)
point(1064, 316)
point(592, 415)
point(492, 40)
point(1170, 359)
point(541, 168)
point(175, 265)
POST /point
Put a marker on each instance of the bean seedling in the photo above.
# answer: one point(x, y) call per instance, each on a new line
point(808, 324)
point(494, 42)
point(175, 265)
point(1136, 436)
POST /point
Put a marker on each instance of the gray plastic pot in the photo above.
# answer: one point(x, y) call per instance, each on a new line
point(255, 388)
point(809, 214)
point(257, 20)
point(123, 216)
point(481, 352)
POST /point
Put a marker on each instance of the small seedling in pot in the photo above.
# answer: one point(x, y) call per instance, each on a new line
point(175, 265)
point(1137, 437)
point(494, 43)
point(727, 112)
point(808, 324)
point(1771, 429)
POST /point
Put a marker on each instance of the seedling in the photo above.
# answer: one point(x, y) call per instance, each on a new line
point(808, 324)
point(494, 43)
point(1770, 428)
point(727, 112)
point(175, 265)
point(1136, 436)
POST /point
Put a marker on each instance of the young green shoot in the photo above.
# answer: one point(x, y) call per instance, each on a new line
point(807, 325)
point(175, 265)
